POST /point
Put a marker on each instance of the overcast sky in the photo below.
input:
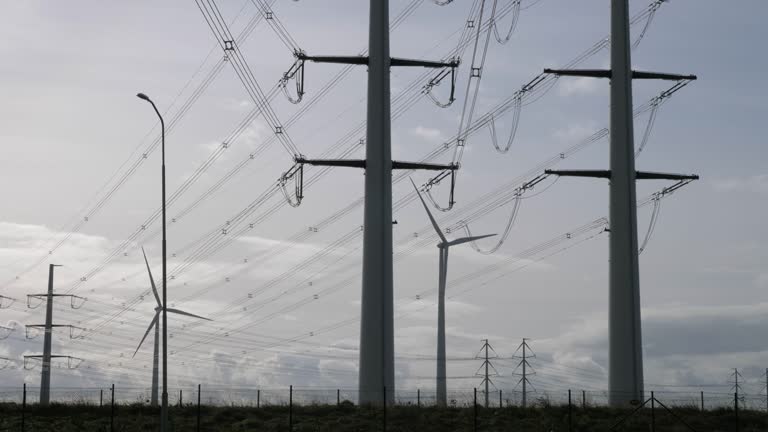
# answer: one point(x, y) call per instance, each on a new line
point(79, 183)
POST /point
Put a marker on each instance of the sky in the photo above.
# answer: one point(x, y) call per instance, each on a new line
point(80, 173)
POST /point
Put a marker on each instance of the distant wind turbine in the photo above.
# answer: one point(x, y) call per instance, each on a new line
point(154, 323)
point(442, 392)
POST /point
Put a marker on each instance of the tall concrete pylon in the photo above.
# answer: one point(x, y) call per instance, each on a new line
point(377, 340)
point(625, 353)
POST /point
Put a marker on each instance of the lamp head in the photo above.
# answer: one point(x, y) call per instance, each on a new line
point(142, 96)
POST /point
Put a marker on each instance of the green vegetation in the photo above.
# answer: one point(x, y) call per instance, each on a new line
point(347, 417)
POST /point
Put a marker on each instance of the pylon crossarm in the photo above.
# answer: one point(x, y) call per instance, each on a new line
point(590, 73)
point(646, 175)
point(639, 175)
point(363, 60)
point(453, 63)
point(662, 76)
point(423, 166)
point(351, 60)
point(348, 163)
point(607, 73)
point(360, 163)
point(606, 174)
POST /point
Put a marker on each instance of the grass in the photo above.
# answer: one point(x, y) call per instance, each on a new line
point(349, 418)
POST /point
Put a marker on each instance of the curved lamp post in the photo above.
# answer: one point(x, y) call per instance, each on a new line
point(164, 406)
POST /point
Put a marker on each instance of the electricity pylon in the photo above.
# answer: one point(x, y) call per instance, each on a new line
point(443, 246)
point(524, 365)
point(487, 366)
point(155, 323)
point(766, 389)
point(45, 375)
point(625, 359)
point(377, 342)
point(736, 387)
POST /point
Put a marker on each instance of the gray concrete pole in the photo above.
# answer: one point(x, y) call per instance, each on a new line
point(45, 375)
point(625, 352)
point(155, 367)
point(442, 391)
point(377, 342)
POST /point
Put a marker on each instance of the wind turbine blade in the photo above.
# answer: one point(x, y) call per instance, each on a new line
point(151, 279)
point(151, 324)
point(468, 239)
point(429, 213)
point(180, 312)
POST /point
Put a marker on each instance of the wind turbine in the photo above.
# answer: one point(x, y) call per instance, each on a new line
point(443, 246)
point(154, 323)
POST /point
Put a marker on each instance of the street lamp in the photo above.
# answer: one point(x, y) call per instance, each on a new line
point(164, 407)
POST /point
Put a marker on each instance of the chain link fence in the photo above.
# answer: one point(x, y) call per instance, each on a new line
point(202, 408)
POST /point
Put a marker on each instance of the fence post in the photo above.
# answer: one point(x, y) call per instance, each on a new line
point(101, 398)
point(736, 409)
point(570, 416)
point(474, 419)
point(198, 408)
point(583, 399)
point(384, 406)
point(23, 407)
point(290, 408)
point(501, 404)
point(702, 401)
point(653, 413)
point(112, 411)
point(338, 397)
point(258, 398)
point(418, 398)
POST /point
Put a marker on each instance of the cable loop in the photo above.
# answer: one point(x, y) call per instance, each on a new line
point(297, 174)
point(512, 26)
point(436, 82)
point(436, 181)
point(296, 72)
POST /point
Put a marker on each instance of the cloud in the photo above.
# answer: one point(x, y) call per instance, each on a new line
point(751, 184)
point(679, 342)
point(427, 133)
point(574, 132)
point(574, 86)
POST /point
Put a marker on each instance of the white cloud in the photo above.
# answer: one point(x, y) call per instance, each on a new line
point(574, 86)
point(427, 133)
point(751, 184)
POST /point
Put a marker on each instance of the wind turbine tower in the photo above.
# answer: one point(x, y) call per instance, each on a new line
point(443, 246)
point(154, 323)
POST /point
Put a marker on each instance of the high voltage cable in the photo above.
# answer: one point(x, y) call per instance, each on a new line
point(176, 117)
point(561, 156)
point(312, 180)
point(532, 92)
point(323, 92)
point(400, 20)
